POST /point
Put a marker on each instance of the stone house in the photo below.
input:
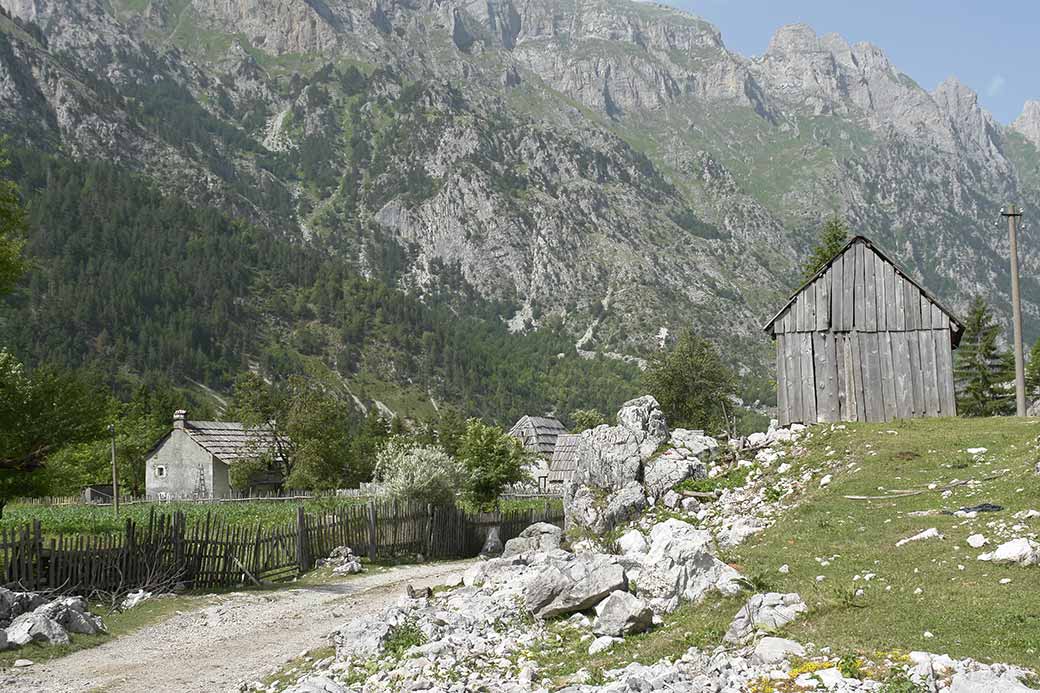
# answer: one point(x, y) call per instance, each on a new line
point(193, 460)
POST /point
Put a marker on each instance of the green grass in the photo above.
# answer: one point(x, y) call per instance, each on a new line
point(100, 520)
point(968, 612)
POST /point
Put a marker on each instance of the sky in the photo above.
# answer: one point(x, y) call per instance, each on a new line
point(989, 46)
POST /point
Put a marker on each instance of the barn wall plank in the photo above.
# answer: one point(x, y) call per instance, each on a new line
point(837, 273)
point(916, 378)
point(794, 379)
point(901, 369)
point(841, 346)
point(823, 302)
point(937, 316)
point(900, 297)
point(926, 312)
point(888, 376)
point(869, 292)
point(856, 371)
point(944, 377)
point(858, 304)
point(848, 301)
point(810, 307)
point(881, 296)
point(928, 373)
point(913, 307)
point(890, 297)
point(808, 380)
point(781, 382)
point(872, 386)
point(826, 378)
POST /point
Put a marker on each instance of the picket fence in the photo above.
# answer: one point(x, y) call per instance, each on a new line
point(211, 553)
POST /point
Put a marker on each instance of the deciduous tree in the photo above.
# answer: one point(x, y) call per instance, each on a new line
point(691, 383)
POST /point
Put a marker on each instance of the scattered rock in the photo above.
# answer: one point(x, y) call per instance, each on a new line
point(602, 644)
point(930, 533)
point(632, 541)
point(22, 663)
point(770, 650)
point(1021, 551)
point(622, 613)
point(134, 598)
point(768, 611)
point(977, 541)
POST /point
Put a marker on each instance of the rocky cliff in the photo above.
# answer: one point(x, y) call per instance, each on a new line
point(604, 163)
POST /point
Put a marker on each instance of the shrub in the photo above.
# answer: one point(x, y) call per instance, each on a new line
point(492, 460)
point(419, 473)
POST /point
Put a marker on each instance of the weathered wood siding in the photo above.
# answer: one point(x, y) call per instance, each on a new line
point(863, 343)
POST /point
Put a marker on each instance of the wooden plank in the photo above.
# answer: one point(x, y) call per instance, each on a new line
point(900, 305)
point(781, 383)
point(890, 297)
point(944, 321)
point(809, 323)
point(823, 302)
point(869, 292)
point(916, 378)
point(937, 317)
point(881, 269)
point(808, 379)
point(926, 313)
point(912, 307)
point(944, 372)
point(872, 386)
point(826, 378)
point(858, 302)
point(888, 377)
point(848, 300)
point(841, 346)
point(856, 371)
point(903, 380)
point(928, 373)
point(794, 378)
point(836, 274)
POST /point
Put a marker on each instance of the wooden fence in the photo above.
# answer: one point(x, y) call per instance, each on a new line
point(211, 553)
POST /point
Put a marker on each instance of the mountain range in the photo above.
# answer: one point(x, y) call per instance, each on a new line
point(605, 169)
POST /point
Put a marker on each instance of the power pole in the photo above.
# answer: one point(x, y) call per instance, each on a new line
point(115, 477)
point(1013, 214)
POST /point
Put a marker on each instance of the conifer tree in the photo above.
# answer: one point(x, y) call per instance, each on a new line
point(1033, 371)
point(984, 369)
point(833, 237)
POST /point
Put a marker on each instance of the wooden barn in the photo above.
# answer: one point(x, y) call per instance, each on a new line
point(862, 341)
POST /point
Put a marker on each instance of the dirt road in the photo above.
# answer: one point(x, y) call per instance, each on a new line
point(240, 637)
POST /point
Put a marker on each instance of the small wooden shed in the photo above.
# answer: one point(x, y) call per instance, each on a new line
point(862, 341)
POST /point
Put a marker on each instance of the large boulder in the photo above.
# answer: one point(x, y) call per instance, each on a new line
point(1019, 551)
point(72, 614)
point(362, 637)
point(607, 485)
point(680, 567)
point(36, 627)
point(563, 587)
point(620, 614)
point(770, 650)
point(539, 537)
point(672, 467)
point(766, 612)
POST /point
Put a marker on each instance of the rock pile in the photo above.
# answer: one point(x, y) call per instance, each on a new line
point(343, 561)
point(31, 617)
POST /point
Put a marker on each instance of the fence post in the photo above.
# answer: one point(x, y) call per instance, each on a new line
point(372, 538)
point(302, 553)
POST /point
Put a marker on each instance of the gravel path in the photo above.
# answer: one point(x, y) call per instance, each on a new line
point(239, 637)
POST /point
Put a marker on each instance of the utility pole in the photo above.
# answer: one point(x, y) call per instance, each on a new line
point(115, 477)
point(1013, 214)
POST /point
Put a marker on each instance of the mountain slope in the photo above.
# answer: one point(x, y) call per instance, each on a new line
point(606, 166)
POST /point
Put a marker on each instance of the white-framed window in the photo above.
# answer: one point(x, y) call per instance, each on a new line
point(160, 471)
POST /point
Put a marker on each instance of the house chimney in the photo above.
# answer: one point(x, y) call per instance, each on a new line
point(180, 417)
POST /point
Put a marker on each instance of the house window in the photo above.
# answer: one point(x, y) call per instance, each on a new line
point(160, 471)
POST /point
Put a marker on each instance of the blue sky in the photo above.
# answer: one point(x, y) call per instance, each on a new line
point(993, 47)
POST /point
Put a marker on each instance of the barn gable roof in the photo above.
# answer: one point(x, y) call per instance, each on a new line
point(564, 459)
point(901, 278)
point(538, 433)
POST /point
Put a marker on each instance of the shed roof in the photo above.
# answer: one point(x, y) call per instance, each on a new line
point(956, 326)
point(538, 433)
point(564, 459)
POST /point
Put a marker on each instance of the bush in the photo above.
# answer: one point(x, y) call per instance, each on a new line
point(691, 383)
point(419, 473)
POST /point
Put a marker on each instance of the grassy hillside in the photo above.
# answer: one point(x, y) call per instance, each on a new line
point(961, 602)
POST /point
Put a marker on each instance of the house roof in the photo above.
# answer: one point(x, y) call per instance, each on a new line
point(230, 440)
point(956, 326)
point(564, 459)
point(538, 433)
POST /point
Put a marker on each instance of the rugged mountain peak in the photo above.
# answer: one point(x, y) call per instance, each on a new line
point(794, 38)
point(1028, 124)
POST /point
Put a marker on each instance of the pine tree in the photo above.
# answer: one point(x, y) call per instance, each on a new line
point(833, 237)
point(984, 368)
point(1033, 371)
